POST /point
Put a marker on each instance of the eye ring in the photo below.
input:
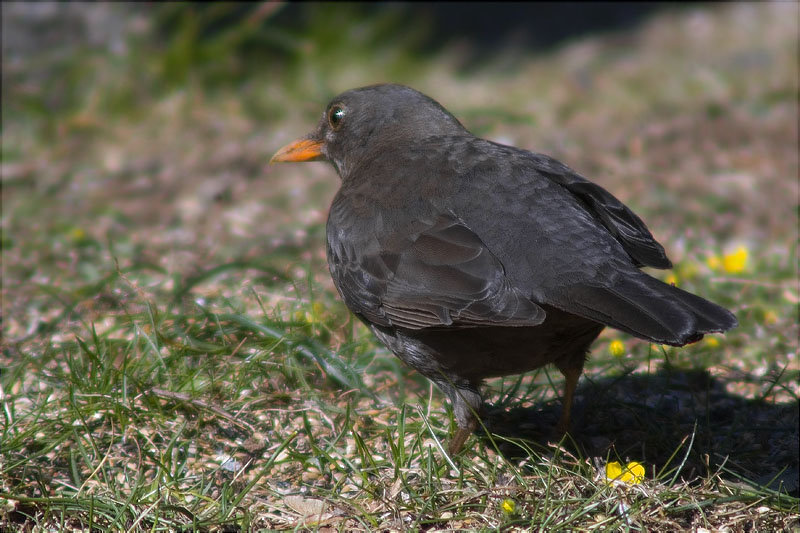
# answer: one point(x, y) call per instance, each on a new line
point(335, 116)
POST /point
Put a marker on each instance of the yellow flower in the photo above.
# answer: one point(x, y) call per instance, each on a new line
point(770, 317)
point(78, 235)
point(672, 279)
point(617, 348)
point(310, 317)
point(736, 261)
point(508, 506)
point(632, 473)
point(613, 470)
point(712, 342)
point(303, 316)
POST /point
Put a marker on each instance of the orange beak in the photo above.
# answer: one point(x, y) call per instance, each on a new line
point(299, 150)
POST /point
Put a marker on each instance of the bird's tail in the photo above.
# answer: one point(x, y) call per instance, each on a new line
point(652, 310)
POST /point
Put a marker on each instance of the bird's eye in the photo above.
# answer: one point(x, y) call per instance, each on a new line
point(335, 116)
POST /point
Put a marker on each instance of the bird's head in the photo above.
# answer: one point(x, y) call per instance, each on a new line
point(360, 123)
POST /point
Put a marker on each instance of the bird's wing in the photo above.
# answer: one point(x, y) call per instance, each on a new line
point(570, 244)
point(617, 218)
point(430, 274)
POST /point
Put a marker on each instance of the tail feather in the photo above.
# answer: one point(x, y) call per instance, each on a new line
point(652, 310)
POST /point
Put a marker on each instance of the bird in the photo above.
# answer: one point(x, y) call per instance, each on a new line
point(469, 259)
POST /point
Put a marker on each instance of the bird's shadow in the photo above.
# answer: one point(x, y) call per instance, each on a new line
point(666, 418)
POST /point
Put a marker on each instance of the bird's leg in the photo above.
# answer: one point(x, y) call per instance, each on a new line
point(466, 403)
point(571, 368)
point(459, 438)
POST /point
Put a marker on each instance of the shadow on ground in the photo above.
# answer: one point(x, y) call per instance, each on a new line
point(657, 418)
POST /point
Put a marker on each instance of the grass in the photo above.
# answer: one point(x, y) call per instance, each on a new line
point(175, 358)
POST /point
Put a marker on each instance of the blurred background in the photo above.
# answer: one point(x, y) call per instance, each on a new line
point(116, 109)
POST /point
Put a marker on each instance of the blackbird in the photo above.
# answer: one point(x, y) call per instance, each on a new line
point(470, 259)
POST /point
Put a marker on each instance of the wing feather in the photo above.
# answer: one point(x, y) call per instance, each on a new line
point(441, 274)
